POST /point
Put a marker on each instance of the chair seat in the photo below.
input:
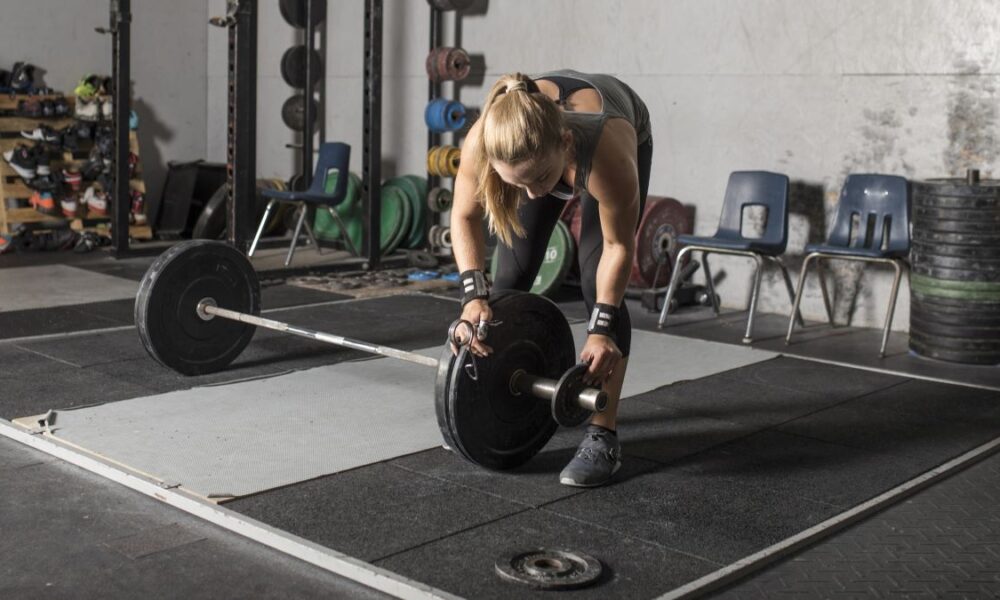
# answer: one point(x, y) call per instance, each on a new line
point(303, 196)
point(861, 252)
point(730, 244)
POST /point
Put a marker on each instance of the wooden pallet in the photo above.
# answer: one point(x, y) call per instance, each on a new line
point(14, 193)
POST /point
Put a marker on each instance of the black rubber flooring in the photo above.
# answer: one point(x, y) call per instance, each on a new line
point(67, 533)
point(715, 469)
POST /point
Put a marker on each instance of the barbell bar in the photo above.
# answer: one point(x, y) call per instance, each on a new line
point(521, 382)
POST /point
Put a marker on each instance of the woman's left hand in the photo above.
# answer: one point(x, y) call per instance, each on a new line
point(603, 355)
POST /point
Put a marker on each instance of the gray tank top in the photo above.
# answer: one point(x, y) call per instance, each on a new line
point(619, 101)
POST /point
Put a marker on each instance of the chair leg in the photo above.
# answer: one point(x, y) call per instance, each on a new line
point(797, 298)
point(674, 279)
point(260, 228)
point(754, 295)
point(791, 291)
point(822, 286)
point(312, 236)
point(343, 231)
point(709, 283)
point(295, 235)
point(892, 306)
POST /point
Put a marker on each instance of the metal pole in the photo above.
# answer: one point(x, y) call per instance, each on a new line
point(371, 168)
point(121, 19)
point(242, 134)
point(310, 117)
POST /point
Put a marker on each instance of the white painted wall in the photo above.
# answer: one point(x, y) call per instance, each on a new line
point(168, 65)
point(815, 89)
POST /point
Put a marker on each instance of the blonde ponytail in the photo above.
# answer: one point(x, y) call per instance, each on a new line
point(519, 123)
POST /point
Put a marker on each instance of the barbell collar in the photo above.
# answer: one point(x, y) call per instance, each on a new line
point(522, 382)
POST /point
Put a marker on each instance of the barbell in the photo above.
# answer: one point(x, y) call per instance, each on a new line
point(198, 306)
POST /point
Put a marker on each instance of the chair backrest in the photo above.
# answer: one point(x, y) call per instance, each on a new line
point(756, 188)
point(334, 161)
point(873, 214)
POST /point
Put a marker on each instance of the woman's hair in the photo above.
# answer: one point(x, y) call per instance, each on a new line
point(519, 123)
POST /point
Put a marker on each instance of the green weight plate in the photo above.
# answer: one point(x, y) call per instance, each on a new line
point(396, 215)
point(413, 235)
point(418, 233)
point(981, 291)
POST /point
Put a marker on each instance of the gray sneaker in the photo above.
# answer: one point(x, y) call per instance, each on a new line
point(597, 459)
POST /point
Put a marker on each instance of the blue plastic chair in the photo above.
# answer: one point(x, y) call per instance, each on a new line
point(881, 205)
point(334, 161)
point(745, 188)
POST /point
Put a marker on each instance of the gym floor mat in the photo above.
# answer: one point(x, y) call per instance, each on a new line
point(246, 437)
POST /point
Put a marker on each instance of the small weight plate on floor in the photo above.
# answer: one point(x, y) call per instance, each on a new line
point(293, 113)
point(293, 66)
point(166, 313)
point(421, 260)
point(294, 12)
point(549, 569)
point(480, 417)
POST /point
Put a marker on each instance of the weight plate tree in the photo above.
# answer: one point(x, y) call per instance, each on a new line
point(199, 302)
point(955, 279)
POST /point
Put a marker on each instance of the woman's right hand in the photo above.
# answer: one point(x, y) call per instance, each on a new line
point(479, 313)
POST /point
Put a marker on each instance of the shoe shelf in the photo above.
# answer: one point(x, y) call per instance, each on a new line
point(14, 193)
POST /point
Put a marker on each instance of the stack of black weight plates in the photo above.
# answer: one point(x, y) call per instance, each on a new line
point(955, 283)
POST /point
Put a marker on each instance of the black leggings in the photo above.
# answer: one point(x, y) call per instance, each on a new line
point(519, 263)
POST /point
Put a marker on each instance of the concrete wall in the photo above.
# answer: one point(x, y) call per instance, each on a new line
point(168, 65)
point(815, 89)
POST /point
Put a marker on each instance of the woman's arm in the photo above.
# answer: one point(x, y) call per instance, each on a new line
point(468, 241)
point(614, 183)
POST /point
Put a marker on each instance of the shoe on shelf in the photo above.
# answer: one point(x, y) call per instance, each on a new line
point(41, 160)
point(22, 77)
point(68, 139)
point(30, 107)
point(133, 120)
point(61, 106)
point(42, 133)
point(87, 109)
point(23, 161)
point(48, 108)
point(45, 203)
point(70, 205)
point(46, 183)
point(87, 88)
point(107, 109)
point(97, 202)
point(71, 175)
point(138, 208)
point(94, 166)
